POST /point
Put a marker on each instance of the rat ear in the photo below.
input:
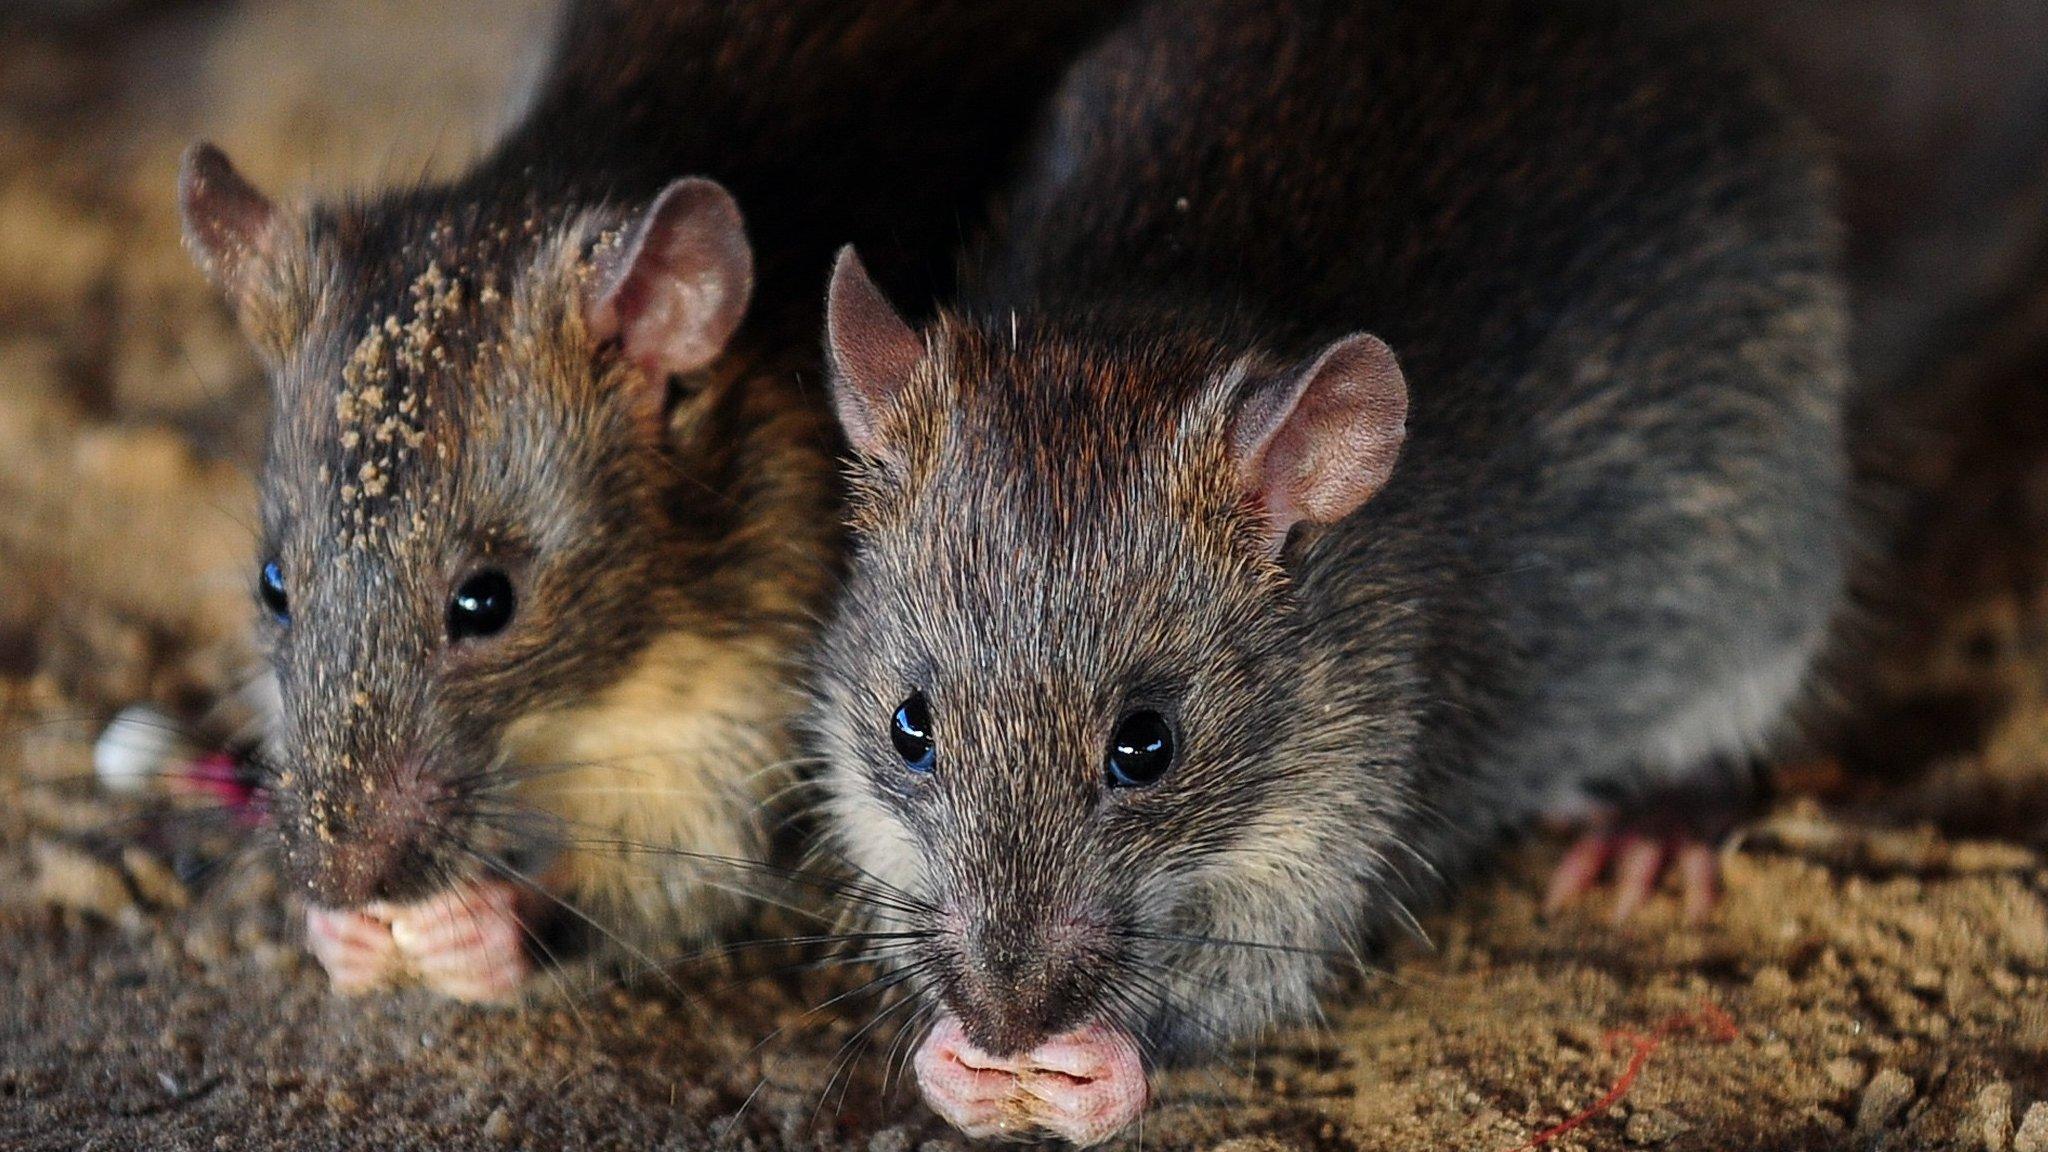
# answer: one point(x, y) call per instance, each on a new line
point(230, 227)
point(873, 351)
point(679, 285)
point(1316, 444)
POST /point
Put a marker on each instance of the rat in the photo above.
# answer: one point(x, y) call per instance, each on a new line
point(547, 509)
point(1370, 427)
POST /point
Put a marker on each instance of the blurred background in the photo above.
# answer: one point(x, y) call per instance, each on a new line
point(131, 418)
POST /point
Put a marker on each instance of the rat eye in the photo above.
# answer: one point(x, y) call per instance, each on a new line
point(270, 590)
point(482, 606)
point(1140, 751)
point(910, 730)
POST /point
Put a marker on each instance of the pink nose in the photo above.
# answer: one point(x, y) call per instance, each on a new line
point(1083, 1086)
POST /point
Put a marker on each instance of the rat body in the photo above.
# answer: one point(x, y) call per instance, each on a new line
point(1190, 635)
point(547, 512)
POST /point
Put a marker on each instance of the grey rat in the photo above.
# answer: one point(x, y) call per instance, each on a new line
point(1193, 634)
point(547, 509)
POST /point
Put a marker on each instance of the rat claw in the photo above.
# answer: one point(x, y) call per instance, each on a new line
point(1699, 879)
point(1578, 871)
point(356, 950)
point(1639, 862)
point(1673, 830)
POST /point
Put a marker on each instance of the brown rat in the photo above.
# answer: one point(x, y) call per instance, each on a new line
point(547, 509)
point(1193, 634)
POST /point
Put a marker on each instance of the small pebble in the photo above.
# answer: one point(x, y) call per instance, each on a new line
point(2033, 1133)
point(1846, 1073)
point(341, 1103)
point(1772, 980)
point(209, 944)
point(1886, 1095)
point(70, 878)
point(1654, 1126)
point(895, 1139)
point(498, 1126)
point(1991, 1116)
point(153, 879)
point(1822, 1119)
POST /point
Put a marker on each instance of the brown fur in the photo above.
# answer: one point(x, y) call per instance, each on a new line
point(470, 376)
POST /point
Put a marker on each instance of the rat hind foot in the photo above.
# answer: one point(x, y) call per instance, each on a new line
point(1670, 832)
point(1638, 864)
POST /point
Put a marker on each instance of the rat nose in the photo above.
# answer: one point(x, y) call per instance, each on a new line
point(348, 873)
point(350, 846)
point(1024, 980)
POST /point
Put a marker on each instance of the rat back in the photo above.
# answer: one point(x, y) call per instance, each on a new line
point(885, 122)
point(1372, 424)
point(1601, 251)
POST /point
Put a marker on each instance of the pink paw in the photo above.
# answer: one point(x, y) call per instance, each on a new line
point(467, 943)
point(355, 948)
point(1637, 862)
point(1083, 1086)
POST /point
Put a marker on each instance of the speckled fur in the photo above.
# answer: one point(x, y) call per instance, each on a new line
point(441, 406)
point(1601, 254)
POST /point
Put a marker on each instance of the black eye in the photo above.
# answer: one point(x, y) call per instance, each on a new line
point(270, 589)
point(910, 730)
point(481, 607)
point(1141, 750)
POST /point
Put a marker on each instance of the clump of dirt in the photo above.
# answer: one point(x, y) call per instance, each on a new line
point(1877, 976)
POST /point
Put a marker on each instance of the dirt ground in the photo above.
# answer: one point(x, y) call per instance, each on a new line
point(1877, 977)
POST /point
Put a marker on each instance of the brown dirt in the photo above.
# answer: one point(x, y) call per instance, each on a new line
point(1882, 952)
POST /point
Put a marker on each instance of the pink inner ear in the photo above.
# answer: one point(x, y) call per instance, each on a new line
point(681, 285)
point(1318, 445)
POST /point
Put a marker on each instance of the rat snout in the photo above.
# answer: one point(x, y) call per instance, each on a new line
point(351, 844)
point(1084, 1085)
point(1017, 980)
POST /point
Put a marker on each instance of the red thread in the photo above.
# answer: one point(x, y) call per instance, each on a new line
point(223, 777)
point(1708, 1019)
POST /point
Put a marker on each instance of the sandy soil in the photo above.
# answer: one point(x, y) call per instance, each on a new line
point(1877, 977)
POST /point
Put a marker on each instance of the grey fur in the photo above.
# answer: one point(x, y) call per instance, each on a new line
point(1603, 562)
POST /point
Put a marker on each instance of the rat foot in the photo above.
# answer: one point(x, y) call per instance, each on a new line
point(1638, 863)
point(467, 943)
point(1672, 831)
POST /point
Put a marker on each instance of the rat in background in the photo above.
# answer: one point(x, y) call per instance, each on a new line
point(1373, 427)
point(547, 513)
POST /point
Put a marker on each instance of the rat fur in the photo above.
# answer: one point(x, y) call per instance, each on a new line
point(1145, 461)
point(580, 365)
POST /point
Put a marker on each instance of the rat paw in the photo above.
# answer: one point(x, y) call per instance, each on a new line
point(1637, 863)
point(1673, 831)
point(467, 943)
point(355, 948)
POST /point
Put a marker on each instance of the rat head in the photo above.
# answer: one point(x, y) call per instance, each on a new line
point(1070, 700)
point(503, 468)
